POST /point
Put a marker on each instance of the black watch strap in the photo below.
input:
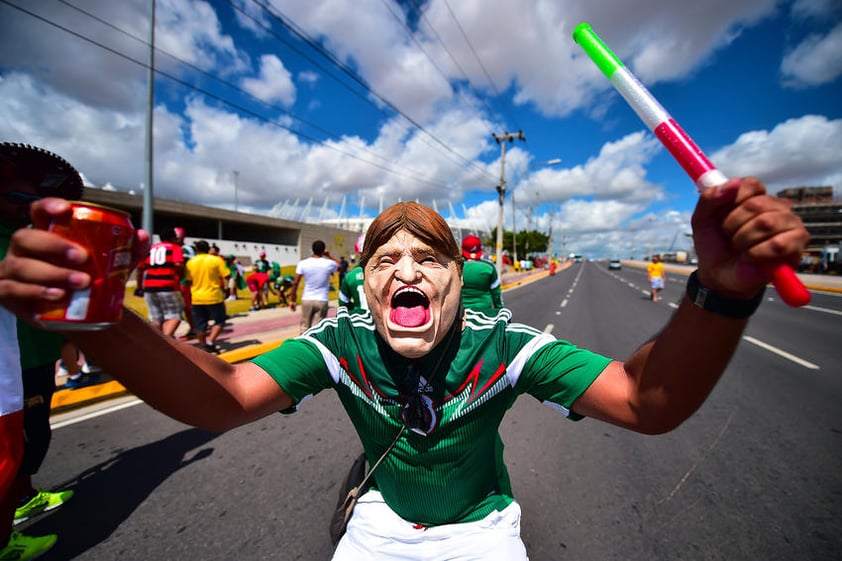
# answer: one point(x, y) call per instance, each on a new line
point(705, 299)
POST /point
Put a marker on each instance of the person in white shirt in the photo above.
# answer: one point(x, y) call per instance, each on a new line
point(316, 272)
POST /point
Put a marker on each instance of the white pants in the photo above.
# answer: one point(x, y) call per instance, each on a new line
point(376, 533)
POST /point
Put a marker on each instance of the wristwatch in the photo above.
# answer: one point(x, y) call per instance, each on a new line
point(708, 300)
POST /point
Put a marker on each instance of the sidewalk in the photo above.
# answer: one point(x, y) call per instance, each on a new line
point(248, 335)
point(243, 337)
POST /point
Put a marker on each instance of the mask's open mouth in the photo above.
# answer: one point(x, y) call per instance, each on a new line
point(409, 307)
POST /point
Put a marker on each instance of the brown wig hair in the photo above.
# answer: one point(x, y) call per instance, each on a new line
point(422, 222)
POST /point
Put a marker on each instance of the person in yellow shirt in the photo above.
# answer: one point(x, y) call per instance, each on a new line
point(655, 270)
point(207, 275)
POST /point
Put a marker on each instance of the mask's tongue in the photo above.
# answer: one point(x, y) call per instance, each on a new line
point(409, 316)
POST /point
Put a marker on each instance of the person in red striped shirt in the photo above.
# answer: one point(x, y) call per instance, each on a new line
point(162, 272)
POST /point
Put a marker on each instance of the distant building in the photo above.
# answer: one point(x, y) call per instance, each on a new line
point(821, 213)
point(241, 234)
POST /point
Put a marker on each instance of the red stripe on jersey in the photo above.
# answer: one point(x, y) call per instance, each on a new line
point(159, 269)
point(11, 442)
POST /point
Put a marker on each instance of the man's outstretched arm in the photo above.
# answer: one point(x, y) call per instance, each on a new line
point(739, 231)
point(184, 382)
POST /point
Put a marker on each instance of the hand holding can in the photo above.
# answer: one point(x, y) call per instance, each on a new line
point(108, 235)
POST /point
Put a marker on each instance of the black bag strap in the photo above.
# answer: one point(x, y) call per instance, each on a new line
point(386, 453)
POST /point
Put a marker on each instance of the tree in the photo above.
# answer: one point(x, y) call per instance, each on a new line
point(532, 241)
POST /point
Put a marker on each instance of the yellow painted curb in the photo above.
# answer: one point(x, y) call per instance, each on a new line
point(67, 399)
point(524, 280)
point(247, 353)
point(64, 399)
point(819, 288)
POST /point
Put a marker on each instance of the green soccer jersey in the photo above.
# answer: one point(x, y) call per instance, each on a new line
point(455, 472)
point(481, 288)
point(351, 293)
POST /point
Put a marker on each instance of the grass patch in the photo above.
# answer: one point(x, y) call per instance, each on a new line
point(240, 306)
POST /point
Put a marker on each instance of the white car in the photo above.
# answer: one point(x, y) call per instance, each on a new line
point(615, 264)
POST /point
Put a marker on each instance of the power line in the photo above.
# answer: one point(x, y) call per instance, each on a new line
point(217, 97)
point(415, 40)
point(464, 74)
point(233, 86)
point(481, 65)
point(301, 34)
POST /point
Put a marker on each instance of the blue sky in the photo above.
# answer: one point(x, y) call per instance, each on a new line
point(419, 89)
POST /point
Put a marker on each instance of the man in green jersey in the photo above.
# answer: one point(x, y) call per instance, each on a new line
point(28, 357)
point(481, 287)
point(418, 365)
point(352, 290)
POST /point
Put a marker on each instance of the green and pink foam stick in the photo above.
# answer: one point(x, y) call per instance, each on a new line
point(703, 173)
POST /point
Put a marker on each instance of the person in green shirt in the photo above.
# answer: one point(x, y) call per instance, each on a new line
point(419, 369)
point(481, 286)
point(352, 290)
point(28, 173)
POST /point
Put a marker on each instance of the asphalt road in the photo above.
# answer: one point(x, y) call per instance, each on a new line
point(756, 474)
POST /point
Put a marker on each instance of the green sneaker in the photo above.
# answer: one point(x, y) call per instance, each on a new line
point(22, 548)
point(42, 502)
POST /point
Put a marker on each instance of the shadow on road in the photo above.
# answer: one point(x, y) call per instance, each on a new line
point(108, 493)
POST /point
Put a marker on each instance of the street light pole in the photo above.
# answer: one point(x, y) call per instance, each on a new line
point(552, 162)
point(147, 216)
point(514, 227)
point(236, 177)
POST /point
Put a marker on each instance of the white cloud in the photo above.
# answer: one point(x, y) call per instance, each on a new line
point(797, 152)
point(618, 172)
point(87, 103)
point(817, 60)
point(815, 9)
point(274, 83)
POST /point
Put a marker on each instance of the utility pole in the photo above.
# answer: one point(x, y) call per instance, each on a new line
point(501, 190)
point(552, 162)
point(150, 105)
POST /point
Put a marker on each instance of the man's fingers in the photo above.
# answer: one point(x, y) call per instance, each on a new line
point(778, 243)
point(27, 283)
point(765, 229)
point(37, 243)
point(42, 212)
point(27, 270)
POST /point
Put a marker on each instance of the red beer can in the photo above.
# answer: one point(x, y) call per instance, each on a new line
point(108, 235)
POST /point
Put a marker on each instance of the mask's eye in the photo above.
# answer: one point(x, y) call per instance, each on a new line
point(383, 261)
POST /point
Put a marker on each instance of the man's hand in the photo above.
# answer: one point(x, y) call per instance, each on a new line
point(41, 266)
point(739, 231)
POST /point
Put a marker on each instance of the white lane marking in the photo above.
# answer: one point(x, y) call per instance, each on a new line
point(549, 328)
point(95, 414)
point(564, 303)
point(825, 310)
point(779, 352)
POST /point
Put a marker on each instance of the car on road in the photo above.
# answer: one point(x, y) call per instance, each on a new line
point(615, 264)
